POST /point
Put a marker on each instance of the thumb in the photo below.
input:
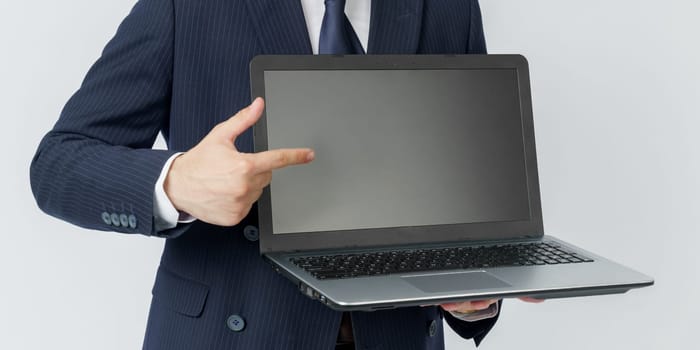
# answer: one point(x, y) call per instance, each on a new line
point(228, 130)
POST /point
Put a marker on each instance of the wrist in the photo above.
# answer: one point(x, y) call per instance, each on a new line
point(173, 183)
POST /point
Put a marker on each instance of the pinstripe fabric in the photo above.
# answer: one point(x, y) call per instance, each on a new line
point(179, 67)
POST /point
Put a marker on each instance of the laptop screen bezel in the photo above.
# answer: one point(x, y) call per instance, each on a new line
point(480, 231)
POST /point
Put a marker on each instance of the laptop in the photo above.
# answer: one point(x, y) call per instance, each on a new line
point(424, 189)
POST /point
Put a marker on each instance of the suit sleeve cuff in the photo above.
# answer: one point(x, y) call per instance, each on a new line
point(490, 312)
point(476, 330)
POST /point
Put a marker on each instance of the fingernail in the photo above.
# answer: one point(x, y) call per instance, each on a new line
point(310, 156)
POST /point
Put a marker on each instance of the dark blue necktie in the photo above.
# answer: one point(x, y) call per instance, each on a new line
point(337, 35)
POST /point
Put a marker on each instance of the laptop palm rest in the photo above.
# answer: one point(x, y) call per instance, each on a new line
point(450, 282)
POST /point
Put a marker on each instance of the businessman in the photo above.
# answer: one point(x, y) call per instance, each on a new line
point(180, 68)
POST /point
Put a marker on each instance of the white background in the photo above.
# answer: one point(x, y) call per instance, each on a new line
point(615, 88)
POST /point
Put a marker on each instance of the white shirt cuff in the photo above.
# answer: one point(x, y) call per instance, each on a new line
point(164, 213)
point(490, 312)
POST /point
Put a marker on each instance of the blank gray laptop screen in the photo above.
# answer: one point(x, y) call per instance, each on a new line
point(396, 148)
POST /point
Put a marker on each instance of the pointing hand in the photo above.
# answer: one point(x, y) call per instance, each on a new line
point(217, 184)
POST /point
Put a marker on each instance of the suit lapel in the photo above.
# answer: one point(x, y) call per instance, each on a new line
point(280, 25)
point(395, 26)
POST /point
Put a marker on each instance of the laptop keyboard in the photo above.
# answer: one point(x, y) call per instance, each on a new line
point(326, 267)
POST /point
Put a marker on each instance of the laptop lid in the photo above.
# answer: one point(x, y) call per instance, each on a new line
point(409, 149)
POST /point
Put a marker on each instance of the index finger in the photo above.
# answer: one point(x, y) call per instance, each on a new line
point(280, 158)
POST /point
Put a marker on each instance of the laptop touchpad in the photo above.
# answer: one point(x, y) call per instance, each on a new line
point(447, 282)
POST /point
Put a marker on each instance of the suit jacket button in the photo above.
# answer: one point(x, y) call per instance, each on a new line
point(115, 220)
point(132, 221)
point(124, 220)
point(432, 329)
point(235, 323)
point(251, 233)
point(106, 218)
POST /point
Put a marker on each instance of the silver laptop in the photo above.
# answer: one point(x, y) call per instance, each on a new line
point(424, 189)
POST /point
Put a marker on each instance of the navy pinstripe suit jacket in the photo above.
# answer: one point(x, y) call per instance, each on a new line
point(179, 67)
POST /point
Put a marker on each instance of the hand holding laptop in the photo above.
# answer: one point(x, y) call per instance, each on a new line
point(478, 305)
point(217, 184)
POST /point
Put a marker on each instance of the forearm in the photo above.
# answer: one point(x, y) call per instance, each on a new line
point(78, 179)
